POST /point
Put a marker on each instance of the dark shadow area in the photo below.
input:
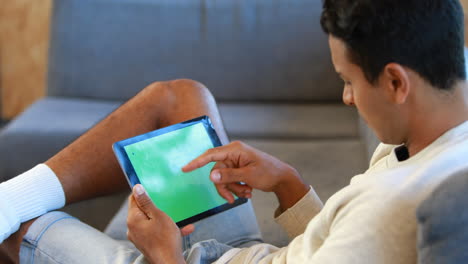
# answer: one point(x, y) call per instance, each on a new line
point(3, 122)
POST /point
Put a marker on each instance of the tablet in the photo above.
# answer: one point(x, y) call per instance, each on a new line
point(155, 160)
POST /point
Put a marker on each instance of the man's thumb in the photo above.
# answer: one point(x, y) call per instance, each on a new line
point(143, 200)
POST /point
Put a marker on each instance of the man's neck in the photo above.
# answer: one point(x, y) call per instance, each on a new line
point(438, 114)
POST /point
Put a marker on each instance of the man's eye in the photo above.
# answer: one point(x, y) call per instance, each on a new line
point(347, 83)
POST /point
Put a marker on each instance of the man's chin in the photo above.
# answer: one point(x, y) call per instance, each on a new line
point(390, 141)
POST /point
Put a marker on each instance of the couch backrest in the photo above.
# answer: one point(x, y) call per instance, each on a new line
point(242, 50)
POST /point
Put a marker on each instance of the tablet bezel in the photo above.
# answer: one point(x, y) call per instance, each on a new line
point(132, 177)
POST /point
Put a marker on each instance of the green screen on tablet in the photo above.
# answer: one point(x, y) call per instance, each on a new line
point(156, 159)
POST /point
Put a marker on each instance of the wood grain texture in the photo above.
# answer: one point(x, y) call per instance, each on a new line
point(465, 10)
point(24, 37)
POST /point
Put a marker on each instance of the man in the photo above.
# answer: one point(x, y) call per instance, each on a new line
point(403, 67)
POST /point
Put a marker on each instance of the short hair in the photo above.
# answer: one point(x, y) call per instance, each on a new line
point(426, 36)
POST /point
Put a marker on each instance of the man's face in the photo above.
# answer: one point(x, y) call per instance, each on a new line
point(369, 99)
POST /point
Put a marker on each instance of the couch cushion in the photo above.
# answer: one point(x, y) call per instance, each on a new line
point(45, 128)
point(242, 50)
point(443, 223)
point(290, 121)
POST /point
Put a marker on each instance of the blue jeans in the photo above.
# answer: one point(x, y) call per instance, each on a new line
point(57, 237)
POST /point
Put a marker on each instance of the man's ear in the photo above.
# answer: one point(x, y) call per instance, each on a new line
point(396, 82)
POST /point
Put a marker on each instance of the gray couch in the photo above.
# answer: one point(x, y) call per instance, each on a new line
point(443, 218)
point(266, 62)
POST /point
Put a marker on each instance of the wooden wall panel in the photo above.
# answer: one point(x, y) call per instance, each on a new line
point(465, 9)
point(24, 32)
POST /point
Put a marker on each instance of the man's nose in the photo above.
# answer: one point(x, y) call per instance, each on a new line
point(348, 97)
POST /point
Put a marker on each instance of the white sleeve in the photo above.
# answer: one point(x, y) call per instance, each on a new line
point(378, 231)
point(295, 219)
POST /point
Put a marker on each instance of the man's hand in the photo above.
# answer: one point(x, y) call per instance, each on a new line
point(152, 231)
point(238, 162)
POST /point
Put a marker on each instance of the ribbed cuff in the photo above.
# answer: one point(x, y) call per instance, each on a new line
point(34, 192)
point(9, 220)
point(295, 219)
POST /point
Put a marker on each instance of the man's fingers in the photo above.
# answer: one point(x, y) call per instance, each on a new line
point(134, 212)
point(241, 190)
point(219, 165)
point(144, 201)
point(225, 193)
point(211, 155)
point(230, 175)
point(187, 230)
point(132, 204)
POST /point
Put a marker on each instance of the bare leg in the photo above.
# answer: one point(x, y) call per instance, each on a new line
point(87, 168)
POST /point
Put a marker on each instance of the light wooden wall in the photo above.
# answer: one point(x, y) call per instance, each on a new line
point(465, 9)
point(24, 31)
point(465, 4)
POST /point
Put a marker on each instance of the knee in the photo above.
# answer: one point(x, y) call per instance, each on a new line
point(188, 89)
point(187, 85)
point(177, 89)
point(176, 94)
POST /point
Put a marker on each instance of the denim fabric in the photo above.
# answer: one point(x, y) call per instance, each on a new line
point(236, 227)
point(206, 252)
point(57, 237)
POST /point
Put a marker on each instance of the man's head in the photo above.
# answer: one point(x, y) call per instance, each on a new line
point(423, 35)
point(384, 48)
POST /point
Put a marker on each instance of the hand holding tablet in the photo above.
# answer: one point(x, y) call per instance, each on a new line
point(155, 160)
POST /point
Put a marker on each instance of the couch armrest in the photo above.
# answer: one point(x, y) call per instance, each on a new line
point(443, 222)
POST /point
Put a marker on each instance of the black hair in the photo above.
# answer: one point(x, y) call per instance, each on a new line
point(426, 36)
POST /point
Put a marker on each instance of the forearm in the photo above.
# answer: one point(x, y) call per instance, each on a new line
point(291, 189)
